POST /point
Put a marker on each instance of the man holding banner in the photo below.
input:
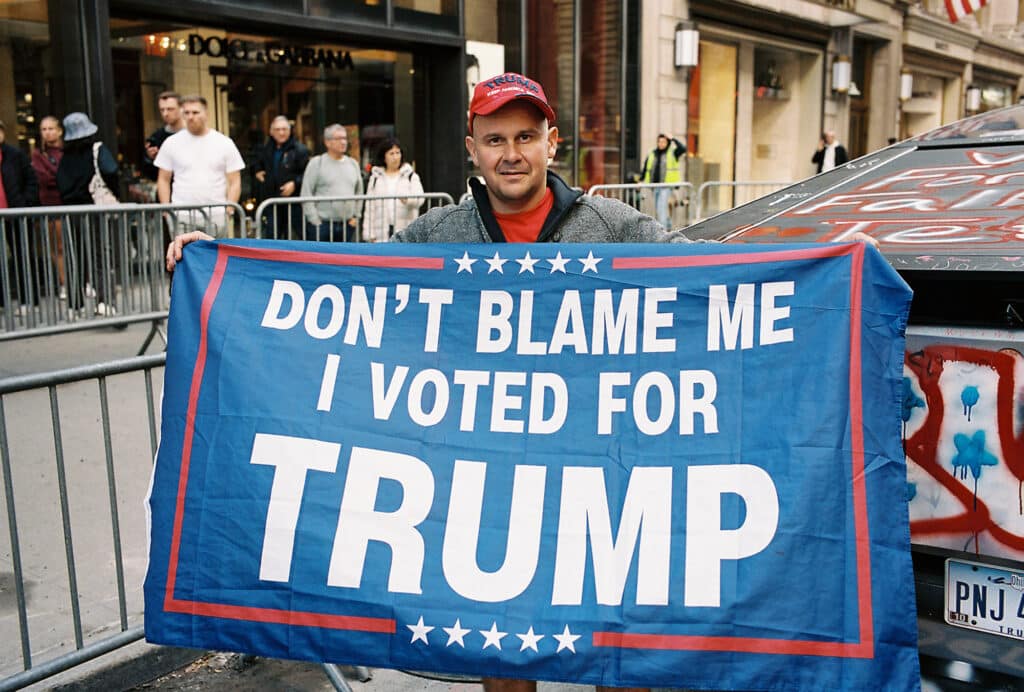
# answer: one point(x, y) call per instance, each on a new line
point(722, 573)
point(511, 141)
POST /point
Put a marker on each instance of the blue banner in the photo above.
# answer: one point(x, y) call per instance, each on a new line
point(657, 465)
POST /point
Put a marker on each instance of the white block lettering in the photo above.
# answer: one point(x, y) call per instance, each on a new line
point(707, 543)
point(359, 523)
point(291, 458)
point(462, 534)
point(646, 514)
point(272, 317)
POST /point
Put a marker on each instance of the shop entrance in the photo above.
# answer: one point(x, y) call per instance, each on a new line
point(250, 79)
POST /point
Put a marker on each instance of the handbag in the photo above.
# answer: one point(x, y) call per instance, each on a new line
point(101, 194)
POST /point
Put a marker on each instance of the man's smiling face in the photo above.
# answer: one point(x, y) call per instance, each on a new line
point(511, 147)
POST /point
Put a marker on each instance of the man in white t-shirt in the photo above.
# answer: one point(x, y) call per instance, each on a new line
point(199, 166)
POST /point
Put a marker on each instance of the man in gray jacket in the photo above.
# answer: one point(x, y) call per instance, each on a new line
point(511, 139)
point(333, 174)
point(511, 142)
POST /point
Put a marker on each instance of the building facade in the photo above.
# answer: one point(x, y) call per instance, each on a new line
point(380, 69)
point(764, 87)
point(752, 108)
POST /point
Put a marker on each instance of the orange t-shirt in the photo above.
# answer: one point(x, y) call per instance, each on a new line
point(524, 226)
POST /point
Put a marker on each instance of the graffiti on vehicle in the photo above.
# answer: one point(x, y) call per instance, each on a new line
point(963, 430)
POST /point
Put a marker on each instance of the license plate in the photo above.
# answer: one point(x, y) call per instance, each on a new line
point(985, 598)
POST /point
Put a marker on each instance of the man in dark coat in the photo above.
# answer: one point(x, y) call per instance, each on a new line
point(20, 188)
point(20, 185)
point(278, 172)
point(830, 153)
point(169, 103)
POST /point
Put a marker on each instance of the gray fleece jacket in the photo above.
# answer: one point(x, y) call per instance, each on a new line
point(574, 218)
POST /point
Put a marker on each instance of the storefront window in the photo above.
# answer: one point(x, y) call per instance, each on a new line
point(786, 102)
point(995, 96)
point(712, 133)
point(26, 71)
point(442, 15)
point(369, 10)
point(924, 110)
point(445, 7)
point(550, 61)
point(249, 79)
point(600, 94)
point(430, 15)
point(279, 5)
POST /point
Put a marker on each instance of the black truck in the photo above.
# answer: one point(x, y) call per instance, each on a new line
point(947, 209)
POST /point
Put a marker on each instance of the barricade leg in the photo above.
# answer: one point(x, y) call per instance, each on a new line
point(106, 254)
point(27, 262)
point(74, 248)
point(155, 329)
point(361, 673)
point(337, 679)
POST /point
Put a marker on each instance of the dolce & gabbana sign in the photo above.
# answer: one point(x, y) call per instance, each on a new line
point(268, 52)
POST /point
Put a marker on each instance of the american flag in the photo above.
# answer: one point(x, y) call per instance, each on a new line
point(958, 9)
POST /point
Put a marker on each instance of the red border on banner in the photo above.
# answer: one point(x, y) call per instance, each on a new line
point(864, 648)
point(236, 612)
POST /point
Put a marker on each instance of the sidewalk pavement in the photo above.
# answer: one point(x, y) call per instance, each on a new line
point(143, 667)
point(234, 672)
point(46, 353)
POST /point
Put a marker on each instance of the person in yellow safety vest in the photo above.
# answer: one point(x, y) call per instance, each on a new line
point(662, 166)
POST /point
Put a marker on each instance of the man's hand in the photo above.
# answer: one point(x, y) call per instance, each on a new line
point(288, 189)
point(174, 249)
point(261, 176)
point(865, 238)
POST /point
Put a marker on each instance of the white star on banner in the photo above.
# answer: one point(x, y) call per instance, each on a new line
point(456, 633)
point(419, 631)
point(566, 639)
point(496, 263)
point(526, 264)
point(558, 263)
point(493, 637)
point(529, 639)
point(465, 263)
point(590, 263)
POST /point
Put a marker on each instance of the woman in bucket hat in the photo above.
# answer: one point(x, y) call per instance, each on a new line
point(91, 266)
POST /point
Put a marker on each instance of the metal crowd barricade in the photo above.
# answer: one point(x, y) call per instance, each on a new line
point(74, 544)
point(328, 219)
point(641, 196)
point(74, 555)
point(717, 196)
point(69, 268)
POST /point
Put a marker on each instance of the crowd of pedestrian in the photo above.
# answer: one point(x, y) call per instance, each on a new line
point(191, 164)
point(70, 167)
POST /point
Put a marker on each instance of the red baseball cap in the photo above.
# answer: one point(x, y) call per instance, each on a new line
point(491, 95)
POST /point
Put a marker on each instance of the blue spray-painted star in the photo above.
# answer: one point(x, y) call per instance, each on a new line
point(910, 400)
point(969, 397)
point(911, 491)
point(971, 454)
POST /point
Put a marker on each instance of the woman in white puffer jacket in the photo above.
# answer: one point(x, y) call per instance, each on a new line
point(386, 217)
